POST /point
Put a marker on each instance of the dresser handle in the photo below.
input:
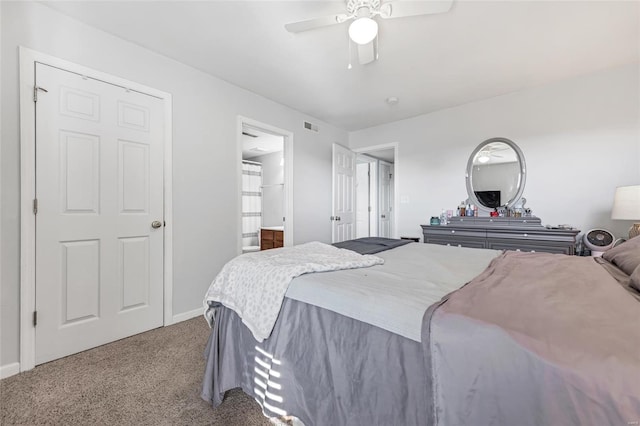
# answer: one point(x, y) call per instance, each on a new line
point(525, 235)
point(453, 231)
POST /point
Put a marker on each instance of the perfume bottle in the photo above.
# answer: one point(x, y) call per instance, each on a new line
point(443, 217)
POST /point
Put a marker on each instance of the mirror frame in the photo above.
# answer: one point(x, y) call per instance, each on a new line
point(523, 173)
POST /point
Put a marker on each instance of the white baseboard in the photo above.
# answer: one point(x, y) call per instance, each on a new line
point(187, 315)
point(9, 370)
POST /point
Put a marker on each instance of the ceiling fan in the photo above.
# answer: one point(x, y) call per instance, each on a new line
point(363, 29)
point(491, 151)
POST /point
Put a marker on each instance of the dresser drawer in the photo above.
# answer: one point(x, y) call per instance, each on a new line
point(530, 246)
point(524, 234)
point(457, 242)
point(534, 237)
point(448, 232)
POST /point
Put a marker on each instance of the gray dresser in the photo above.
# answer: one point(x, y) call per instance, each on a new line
point(502, 233)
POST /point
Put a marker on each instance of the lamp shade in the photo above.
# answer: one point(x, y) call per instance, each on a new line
point(363, 30)
point(626, 203)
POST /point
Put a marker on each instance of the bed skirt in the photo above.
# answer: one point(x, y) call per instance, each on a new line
point(320, 367)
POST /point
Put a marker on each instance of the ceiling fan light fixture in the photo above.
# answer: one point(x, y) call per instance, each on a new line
point(363, 30)
point(484, 157)
point(392, 100)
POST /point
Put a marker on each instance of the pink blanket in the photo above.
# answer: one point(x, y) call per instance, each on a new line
point(545, 339)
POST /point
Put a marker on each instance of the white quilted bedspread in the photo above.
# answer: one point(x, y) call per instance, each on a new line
point(254, 284)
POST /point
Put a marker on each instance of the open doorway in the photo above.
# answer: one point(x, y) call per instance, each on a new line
point(375, 192)
point(266, 204)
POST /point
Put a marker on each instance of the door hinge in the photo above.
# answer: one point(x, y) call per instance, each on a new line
point(35, 206)
point(369, 209)
point(35, 92)
point(35, 318)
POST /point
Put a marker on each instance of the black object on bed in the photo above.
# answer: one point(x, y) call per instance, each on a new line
point(371, 245)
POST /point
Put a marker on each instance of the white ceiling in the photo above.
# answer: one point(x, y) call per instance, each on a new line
point(498, 153)
point(478, 50)
point(259, 143)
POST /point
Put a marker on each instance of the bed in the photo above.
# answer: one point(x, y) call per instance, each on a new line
point(436, 335)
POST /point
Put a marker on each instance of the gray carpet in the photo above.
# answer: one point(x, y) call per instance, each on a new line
point(152, 378)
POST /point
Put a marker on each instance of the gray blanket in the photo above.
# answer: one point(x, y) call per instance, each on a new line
point(394, 295)
point(322, 367)
point(371, 245)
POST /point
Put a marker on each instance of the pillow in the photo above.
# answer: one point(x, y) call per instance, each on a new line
point(626, 256)
point(635, 279)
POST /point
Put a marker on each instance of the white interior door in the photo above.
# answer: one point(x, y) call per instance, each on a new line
point(386, 202)
point(99, 186)
point(363, 205)
point(343, 211)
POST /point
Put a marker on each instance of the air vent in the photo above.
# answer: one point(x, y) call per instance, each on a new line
point(249, 134)
point(310, 126)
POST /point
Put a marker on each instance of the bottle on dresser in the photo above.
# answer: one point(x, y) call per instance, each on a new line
point(443, 217)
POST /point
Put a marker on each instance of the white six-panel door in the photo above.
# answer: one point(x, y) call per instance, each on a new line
point(363, 204)
point(385, 197)
point(344, 173)
point(99, 186)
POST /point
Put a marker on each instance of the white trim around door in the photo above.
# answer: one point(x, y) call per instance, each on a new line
point(288, 176)
point(28, 59)
point(396, 177)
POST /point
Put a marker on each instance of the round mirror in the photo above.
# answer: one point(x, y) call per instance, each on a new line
point(496, 174)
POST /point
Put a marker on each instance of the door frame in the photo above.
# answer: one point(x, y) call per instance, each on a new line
point(396, 174)
point(288, 176)
point(28, 58)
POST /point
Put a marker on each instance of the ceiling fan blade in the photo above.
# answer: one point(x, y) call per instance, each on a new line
point(367, 53)
point(399, 9)
point(310, 24)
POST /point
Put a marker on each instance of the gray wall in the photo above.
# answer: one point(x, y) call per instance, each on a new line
point(205, 111)
point(580, 138)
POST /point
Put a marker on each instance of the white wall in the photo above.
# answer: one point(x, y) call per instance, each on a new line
point(205, 111)
point(564, 129)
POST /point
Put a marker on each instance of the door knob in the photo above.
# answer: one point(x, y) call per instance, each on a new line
point(156, 224)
